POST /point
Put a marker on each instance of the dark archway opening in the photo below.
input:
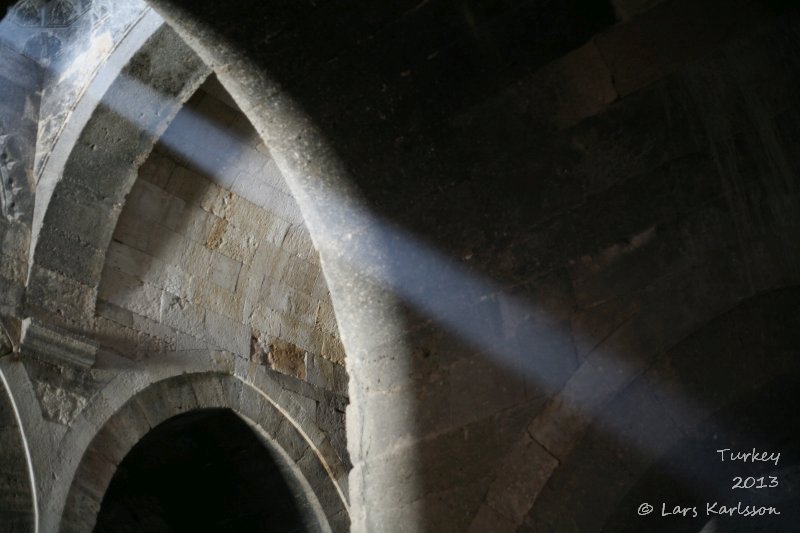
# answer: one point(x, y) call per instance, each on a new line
point(201, 471)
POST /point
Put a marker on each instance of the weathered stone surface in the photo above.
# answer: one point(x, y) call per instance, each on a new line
point(55, 344)
point(59, 405)
point(286, 357)
point(518, 208)
point(649, 48)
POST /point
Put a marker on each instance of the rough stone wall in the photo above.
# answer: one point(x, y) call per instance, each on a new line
point(555, 203)
point(210, 251)
point(78, 220)
point(732, 369)
point(570, 218)
point(260, 399)
point(209, 256)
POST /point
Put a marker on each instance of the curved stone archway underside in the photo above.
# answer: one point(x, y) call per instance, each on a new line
point(78, 222)
point(182, 394)
point(17, 503)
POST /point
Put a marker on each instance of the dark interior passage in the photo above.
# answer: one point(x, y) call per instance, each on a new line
point(201, 471)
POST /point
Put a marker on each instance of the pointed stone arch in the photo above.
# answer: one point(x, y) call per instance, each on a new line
point(185, 393)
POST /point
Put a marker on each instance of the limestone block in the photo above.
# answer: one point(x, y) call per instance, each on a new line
point(209, 390)
point(490, 521)
point(286, 357)
point(166, 245)
point(283, 205)
point(333, 349)
point(250, 160)
point(157, 169)
point(221, 115)
point(325, 318)
point(299, 305)
point(192, 187)
point(193, 222)
point(133, 231)
point(129, 260)
point(95, 471)
point(557, 425)
point(341, 379)
point(11, 295)
point(112, 312)
point(180, 314)
point(269, 260)
point(149, 201)
point(84, 508)
point(319, 371)
point(80, 212)
point(209, 295)
point(253, 220)
point(175, 214)
point(131, 293)
point(184, 341)
point(320, 288)
point(265, 319)
point(300, 274)
point(291, 441)
point(224, 271)
point(226, 333)
point(237, 244)
point(272, 175)
point(195, 259)
point(163, 336)
point(297, 331)
point(6, 344)
point(70, 255)
point(54, 295)
point(119, 338)
point(170, 278)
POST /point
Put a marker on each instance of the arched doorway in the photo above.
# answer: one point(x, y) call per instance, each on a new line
point(205, 470)
point(186, 451)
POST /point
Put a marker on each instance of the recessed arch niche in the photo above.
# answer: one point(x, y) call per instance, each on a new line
point(206, 469)
point(240, 462)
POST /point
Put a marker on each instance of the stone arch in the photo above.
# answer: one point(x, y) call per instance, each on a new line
point(81, 213)
point(353, 253)
point(53, 161)
point(17, 498)
point(182, 394)
point(207, 469)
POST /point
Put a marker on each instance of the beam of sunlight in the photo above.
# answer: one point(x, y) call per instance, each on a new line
point(477, 310)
